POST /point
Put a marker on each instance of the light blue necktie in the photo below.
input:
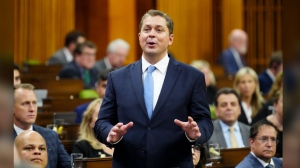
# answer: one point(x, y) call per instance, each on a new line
point(149, 90)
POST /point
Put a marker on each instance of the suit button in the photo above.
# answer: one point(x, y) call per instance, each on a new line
point(149, 129)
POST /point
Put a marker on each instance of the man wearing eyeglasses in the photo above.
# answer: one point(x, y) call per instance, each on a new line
point(83, 65)
point(263, 140)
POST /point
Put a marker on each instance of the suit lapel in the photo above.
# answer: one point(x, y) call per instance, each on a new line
point(244, 135)
point(173, 71)
point(255, 163)
point(219, 133)
point(137, 82)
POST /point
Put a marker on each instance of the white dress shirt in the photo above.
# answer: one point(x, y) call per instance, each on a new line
point(263, 162)
point(19, 130)
point(68, 55)
point(237, 134)
point(248, 111)
point(158, 75)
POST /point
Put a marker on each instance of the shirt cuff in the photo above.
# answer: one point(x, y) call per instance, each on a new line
point(117, 141)
point(191, 140)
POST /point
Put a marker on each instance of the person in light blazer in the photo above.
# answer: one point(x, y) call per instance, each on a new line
point(178, 114)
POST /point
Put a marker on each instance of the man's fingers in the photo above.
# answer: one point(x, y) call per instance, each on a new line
point(178, 122)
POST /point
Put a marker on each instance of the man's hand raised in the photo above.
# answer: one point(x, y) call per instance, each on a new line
point(118, 131)
point(190, 128)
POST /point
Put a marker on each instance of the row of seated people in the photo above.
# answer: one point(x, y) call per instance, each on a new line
point(91, 147)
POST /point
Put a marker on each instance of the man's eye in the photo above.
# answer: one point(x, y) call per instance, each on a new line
point(29, 149)
point(42, 149)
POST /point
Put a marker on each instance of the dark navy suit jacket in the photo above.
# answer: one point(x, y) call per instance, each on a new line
point(229, 63)
point(158, 142)
point(57, 155)
point(265, 82)
point(251, 162)
point(73, 71)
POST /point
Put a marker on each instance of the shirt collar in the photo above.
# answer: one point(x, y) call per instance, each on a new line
point(272, 76)
point(107, 63)
point(69, 55)
point(161, 65)
point(225, 127)
point(19, 130)
point(263, 162)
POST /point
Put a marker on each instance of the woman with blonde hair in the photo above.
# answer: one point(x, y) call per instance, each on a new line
point(209, 76)
point(246, 84)
point(87, 143)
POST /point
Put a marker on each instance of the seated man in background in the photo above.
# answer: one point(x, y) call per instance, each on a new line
point(100, 89)
point(82, 67)
point(32, 149)
point(65, 55)
point(232, 58)
point(228, 131)
point(117, 52)
point(268, 76)
point(17, 77)
point(263, 140)
point(25, 113)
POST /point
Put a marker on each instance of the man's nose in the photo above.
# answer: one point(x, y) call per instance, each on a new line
point(37, 152)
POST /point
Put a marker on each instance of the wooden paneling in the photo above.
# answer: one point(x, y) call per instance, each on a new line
point(192, 28)
point(121, 16)
point(232, 18)
point(92, 19)
point(263, 24)
point(40, 28)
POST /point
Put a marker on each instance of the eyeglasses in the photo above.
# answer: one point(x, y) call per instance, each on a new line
point(196, 149)
point(266, 140)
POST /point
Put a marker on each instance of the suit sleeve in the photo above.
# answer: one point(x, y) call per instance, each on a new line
point(199, 110)
point(64, 159)
point(107, 116)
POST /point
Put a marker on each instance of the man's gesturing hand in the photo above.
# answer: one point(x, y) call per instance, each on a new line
point(118, 131)
point(190, 128)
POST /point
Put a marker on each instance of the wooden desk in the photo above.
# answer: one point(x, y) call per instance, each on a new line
point(96, 162)
point(231, 157)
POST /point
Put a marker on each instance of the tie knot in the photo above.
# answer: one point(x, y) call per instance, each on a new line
point(151, 68)
point(231, 129)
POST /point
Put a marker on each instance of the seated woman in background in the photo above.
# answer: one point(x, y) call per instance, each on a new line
point(246, 84)
point(199, 156)
point(210, 79)
point(87, 143)
point(268, 107)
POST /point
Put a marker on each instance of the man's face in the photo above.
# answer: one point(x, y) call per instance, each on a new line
point(87, 58)
point(25, 107)
point(154, 37)
point(32, 149)
point(228, 109)
point(263, 149)
point(240, 43)
point(117, 58)
point(17, 79)
point(101, 87)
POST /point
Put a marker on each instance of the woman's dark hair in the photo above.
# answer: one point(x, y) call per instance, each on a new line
point(202, 160)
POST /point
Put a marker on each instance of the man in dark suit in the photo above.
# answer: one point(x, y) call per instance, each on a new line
point(116, 53)
point(232, 58)
point(154, 126)
point(263, 140)
point(268, 76)
point(25, 113)
point(228, 109)
point(65, 55)
point(83, 65)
